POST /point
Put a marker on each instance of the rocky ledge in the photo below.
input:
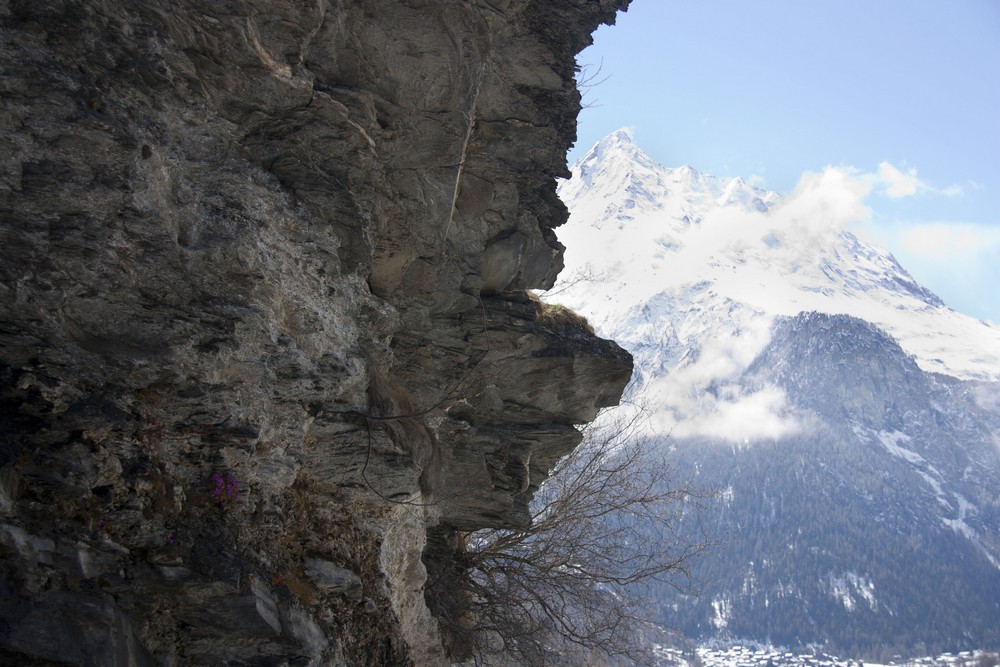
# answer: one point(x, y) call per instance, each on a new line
point(264, 321)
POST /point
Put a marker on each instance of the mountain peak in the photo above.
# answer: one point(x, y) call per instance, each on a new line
point(625, 173)
point(620, 144)
point(623, 134)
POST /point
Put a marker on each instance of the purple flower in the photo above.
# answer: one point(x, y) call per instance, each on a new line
point(225, 490)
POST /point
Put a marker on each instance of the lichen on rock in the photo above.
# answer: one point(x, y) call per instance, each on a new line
point(221, 223)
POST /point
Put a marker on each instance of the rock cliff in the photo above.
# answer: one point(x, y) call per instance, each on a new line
point(264, 329)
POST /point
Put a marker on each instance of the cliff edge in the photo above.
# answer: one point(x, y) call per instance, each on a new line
point(264, 324)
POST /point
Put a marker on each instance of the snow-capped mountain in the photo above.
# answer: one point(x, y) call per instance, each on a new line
point(691, 242)
point(849, 417)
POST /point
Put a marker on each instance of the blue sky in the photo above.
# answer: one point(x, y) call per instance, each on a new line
point(903, 92)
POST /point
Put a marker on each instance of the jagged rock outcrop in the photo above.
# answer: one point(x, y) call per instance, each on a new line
point(264, 321)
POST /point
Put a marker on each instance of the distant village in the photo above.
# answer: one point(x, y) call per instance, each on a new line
point(747, 656)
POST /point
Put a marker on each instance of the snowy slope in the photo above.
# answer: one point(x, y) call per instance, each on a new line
point(674, 255)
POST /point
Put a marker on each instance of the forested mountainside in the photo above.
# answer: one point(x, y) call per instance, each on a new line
point(874, 531)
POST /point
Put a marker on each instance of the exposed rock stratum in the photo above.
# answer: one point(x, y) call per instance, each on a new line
point(264, 330)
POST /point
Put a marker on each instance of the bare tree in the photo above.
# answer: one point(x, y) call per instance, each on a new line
point(608, 522)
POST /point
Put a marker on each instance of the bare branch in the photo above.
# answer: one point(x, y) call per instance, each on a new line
point(583, 276)
point(590, 76)
point(611, 518)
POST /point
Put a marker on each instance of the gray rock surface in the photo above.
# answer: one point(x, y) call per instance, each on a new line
point(262, 281)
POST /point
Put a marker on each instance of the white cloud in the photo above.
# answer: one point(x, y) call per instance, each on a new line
point(828, 201)
point(700, 398)
point(897, 184)
point(956, 243)
point(987, 397)
point(760, 415)
point(821, 206)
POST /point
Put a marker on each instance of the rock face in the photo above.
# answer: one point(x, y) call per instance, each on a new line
point(264, 321)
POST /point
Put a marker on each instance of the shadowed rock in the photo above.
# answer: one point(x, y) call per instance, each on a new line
point(220, 221)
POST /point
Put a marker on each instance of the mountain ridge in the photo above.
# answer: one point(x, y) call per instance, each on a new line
point(668, 232)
